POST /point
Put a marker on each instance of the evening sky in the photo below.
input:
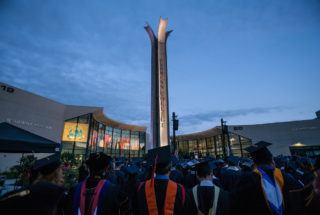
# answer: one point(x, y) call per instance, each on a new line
point(248, 61)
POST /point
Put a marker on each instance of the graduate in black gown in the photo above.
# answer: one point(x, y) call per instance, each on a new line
point(121, 178)
point(132, 183)
point(45, 196)
point(231, 174)
point(110, 200)
point(209, 198)
point(83, 172)
point(160, 194)
point(266, 190)
point(176, 175)
point(191, 179)
point(215, 179)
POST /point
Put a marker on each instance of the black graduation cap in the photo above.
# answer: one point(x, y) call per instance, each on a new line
point(118, 163)
point(47, 165)
point(98, 161)
point(212, 165)
point(218, 161)
point(233, 160)
point(132, 169)
point(174, 160)
point(210, 158)
point(203, 168)
point(161, 153)
point(137, 161)
point(259, 151)
point(120, 160)
point(257, 147)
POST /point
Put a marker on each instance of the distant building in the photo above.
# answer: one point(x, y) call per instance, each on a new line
point(287, 138)
point(76, 129)
point(212, 142)
point(294, 137)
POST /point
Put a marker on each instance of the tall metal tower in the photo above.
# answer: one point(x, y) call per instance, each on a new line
point(159, 131)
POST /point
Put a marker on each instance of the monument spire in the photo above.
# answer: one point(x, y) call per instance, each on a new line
point(159, 131)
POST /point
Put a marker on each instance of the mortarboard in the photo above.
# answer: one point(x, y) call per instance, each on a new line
point(210, 158)
point(161, 153)
point(137, 161)
point(212, 165)
point(259, 151)
point(98, 161)
point(132, 169)
point(47, 165)
point(246, 163)
point(233, 160)
point(174, 160)
point(203, 168)
point(158, 157)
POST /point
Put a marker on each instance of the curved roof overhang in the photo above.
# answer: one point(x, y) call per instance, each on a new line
point(199, 135)
point(100, 117)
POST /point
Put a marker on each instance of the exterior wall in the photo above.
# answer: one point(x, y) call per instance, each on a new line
point(72, 111)
point(32, 113)
point(282, 134)
point(40, 116)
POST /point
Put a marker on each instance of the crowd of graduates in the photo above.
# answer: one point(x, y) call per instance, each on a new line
point(163, 184)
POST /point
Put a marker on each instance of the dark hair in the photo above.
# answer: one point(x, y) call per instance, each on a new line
point(97, 162)
point(163, 168)
point(262, 157)
point(204, 172)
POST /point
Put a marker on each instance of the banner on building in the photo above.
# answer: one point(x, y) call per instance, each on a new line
point(77, 132)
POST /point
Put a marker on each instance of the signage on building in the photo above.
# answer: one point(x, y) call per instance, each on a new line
point(77, 132)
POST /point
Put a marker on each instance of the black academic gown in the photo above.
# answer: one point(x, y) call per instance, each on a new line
point(216, 181)
point(205, 197)
point(229, 179)
point(114, 201)
point(140, 201)
point(112, 178)
point(191, 180)
point(121, 178)
point(176, 176)
point(249, 197)
point(43, 198)
point(83, 173)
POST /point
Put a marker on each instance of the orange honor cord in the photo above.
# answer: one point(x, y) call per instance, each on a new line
point(168, 208)
point(169, 202)
point(151, 198)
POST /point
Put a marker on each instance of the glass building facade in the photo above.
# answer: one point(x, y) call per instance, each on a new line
point(83, 135)
point(310, 151)
point(212, 142)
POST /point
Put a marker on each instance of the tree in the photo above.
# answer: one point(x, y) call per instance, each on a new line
point(22, 171)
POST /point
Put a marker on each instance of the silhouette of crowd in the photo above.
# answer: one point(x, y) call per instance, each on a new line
point(164, 184)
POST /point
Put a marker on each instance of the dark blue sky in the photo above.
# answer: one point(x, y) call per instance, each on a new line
point(247, 61)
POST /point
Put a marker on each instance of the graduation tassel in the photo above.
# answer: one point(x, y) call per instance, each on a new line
point(153, 171)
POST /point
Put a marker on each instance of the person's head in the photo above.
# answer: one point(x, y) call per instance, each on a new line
point(260, 153)
point(49, 169)
point(233, 161)
point(163, 168)
point(162, 158)
point(98, 163)
point(203, 170)
point(118, 164)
